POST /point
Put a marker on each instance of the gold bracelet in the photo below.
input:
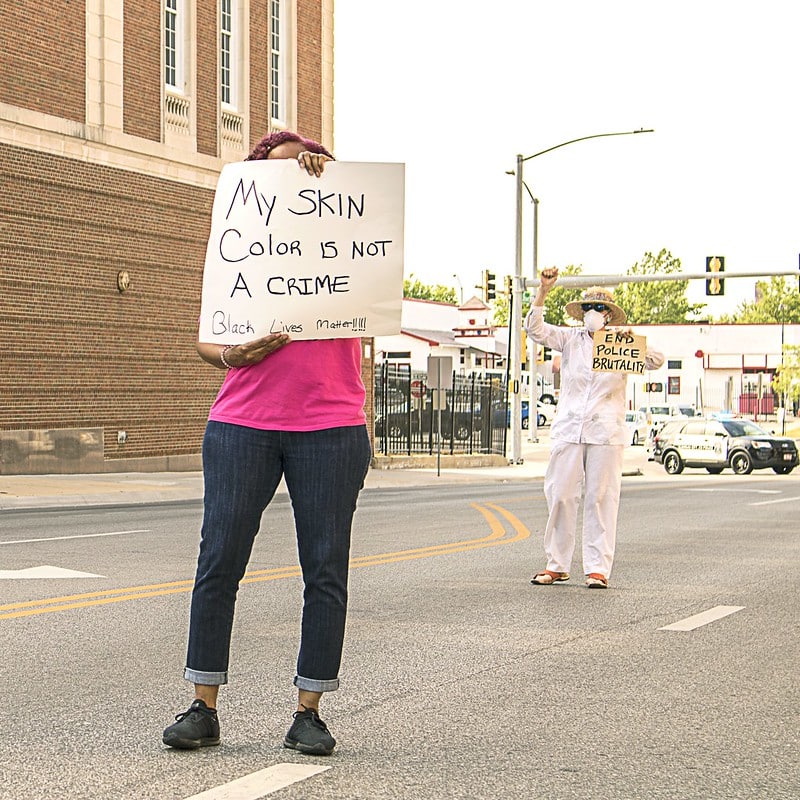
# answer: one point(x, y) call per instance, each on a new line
point(223, 359)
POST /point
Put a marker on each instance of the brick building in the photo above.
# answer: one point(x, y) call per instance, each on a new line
point(116, 117)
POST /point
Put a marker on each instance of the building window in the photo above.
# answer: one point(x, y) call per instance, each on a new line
point(674, 384)
point(674, 364)
point(278, 52)
point(227, 55)
point(173, 44)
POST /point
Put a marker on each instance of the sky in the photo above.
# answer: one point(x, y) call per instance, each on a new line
point(455, 89)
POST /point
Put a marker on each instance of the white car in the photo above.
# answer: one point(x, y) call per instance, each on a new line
point(545, 414)
point(637, 425)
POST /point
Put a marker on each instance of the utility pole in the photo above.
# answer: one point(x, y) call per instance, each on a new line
point(519, 286)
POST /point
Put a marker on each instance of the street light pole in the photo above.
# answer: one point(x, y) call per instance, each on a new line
point(783, 393)
point(518, 286)
point(460, 289)
point(516, 334)
point(533, 377)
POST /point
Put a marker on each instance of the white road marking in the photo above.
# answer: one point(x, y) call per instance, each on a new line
point(703, 618)
point(733, 491)
point(261, 783)
point(773, 502)
point(44, 571)
point(77, 536)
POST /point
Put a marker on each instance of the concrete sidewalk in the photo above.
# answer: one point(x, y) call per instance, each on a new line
point(69, 491)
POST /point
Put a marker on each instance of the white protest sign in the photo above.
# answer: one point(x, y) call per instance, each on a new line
point(618, 352)
point(317, 258)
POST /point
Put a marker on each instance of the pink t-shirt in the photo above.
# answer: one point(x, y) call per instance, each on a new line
point(304, 386)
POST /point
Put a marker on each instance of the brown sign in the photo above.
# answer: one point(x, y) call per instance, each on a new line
point(618, 352)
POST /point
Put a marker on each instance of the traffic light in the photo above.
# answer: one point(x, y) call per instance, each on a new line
point(509, 285)
point(715, 286)
point(488, 285)
point(544, 354)
point(654, 387)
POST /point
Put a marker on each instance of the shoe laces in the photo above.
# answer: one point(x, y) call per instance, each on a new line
point(195, 708)
point(312, 716)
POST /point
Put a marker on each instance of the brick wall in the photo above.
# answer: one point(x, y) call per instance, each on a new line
point(309, 69)
point(43, 57)
point(368, 376)
point(207, 78)
point(77, 352)
point(143, 75)
point(259, 72)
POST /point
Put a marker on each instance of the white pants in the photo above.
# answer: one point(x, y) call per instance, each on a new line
point(597, 470)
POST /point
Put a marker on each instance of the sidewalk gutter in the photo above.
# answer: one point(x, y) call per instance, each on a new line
point(30, 492)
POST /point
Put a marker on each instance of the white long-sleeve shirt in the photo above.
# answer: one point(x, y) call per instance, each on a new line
point(591, 406)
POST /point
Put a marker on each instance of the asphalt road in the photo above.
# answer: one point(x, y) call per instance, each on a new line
point(460, 678)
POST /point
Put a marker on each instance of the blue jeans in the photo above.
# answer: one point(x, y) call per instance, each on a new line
point(324, 472)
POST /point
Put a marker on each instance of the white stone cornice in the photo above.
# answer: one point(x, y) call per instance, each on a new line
point(92, 144)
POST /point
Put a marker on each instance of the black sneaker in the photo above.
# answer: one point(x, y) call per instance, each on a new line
point(197, 727)
point(309, 734)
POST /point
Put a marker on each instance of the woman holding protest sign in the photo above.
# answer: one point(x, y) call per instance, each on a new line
point(291, 410)
point(588, 436)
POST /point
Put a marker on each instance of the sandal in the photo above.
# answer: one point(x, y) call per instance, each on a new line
point(594, 580)
point(547, 577)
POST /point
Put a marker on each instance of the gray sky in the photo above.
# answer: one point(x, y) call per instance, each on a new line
point(456, 90)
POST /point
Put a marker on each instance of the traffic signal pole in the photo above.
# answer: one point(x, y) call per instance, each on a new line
point(520, 284)
point(584, 281)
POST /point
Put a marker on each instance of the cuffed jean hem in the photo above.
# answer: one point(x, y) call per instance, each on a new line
point(205, 678)
point(311, 685)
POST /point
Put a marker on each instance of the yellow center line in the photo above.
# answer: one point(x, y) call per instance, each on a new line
point(497, 536)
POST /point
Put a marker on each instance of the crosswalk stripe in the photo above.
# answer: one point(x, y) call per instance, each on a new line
point(703, 618)
point(261, 783)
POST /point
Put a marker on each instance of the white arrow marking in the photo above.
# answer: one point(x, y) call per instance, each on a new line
point(44, 571)
point(261, 783)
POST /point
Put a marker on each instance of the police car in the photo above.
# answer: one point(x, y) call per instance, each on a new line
point(718, 444)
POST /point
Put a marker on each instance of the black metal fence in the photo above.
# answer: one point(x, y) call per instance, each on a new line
point(473, 417)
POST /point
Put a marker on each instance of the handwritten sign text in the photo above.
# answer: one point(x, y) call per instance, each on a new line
point(618, 352)
point(317, 258)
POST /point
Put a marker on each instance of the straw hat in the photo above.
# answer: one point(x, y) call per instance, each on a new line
point(596, 294)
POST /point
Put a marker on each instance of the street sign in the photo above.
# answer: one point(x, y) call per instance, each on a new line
point(418, 389)
point(440, 372)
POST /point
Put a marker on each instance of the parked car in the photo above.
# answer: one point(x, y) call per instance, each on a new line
point(544, 417)
point(547, 395)
point(637, 425)
point(399, 422)
point(717, 444)
point(658, 415)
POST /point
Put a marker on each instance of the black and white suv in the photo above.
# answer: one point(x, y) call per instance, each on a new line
point(720, 443)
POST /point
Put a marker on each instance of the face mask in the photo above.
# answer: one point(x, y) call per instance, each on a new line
point(594, 320)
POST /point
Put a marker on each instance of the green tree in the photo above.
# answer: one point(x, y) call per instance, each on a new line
point(656, 302)
point(501, 309)
point(423, 291)
point(776, 301)
point(786, 381)
point(553, 305)
point(559, 296)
